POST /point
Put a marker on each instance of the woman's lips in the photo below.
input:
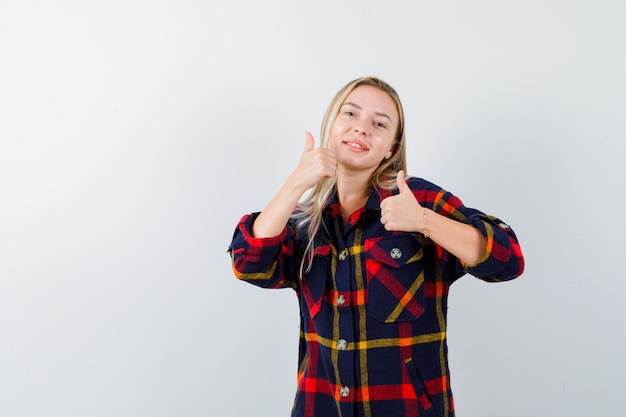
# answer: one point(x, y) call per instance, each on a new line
point(356, 145)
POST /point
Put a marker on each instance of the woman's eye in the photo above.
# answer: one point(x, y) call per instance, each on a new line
point(379, 124)
point(349, 113)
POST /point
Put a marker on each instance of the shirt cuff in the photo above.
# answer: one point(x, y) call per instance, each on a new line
point(256, 249)
point(498, 249)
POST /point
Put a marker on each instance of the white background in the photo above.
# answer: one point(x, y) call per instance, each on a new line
point(134, 135)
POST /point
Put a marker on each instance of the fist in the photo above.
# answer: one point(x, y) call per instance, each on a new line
point(315, 164)
point(401, 212)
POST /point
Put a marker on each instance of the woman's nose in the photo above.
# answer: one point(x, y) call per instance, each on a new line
point(360, 129)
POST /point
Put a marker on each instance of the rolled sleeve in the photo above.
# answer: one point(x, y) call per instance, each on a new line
point(261, 261)
point(503, 258)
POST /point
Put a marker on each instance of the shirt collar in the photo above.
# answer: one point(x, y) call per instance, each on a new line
point(377, 195)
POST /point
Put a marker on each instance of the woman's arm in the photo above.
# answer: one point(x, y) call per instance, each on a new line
point(315, 164)
point(403, 212)
point(462, 240)
point(262, 248)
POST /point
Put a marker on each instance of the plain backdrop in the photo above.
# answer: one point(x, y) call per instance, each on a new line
point(135, 134)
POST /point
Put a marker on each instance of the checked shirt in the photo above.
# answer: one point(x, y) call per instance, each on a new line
point(373, 305)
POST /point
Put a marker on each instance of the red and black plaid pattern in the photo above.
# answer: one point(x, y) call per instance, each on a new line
point(373, 305)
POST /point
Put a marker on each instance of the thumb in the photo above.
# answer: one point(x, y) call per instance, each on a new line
point(403, 187)
point(310, 142)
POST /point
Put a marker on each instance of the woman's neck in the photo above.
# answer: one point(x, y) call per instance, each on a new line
point(352, 193)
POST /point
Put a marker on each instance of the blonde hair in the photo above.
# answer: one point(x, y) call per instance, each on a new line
point(309, 214)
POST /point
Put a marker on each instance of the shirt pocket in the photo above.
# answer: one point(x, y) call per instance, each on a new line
point(313, 283)
point(395, 278)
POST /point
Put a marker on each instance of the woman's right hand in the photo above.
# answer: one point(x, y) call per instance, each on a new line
point(315, 164)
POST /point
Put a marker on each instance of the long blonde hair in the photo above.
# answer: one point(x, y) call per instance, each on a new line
point(309, 214)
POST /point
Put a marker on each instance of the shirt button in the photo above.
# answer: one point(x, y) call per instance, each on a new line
point(342, 344)
point(395, 253)
point(344, 391)
point(343, 255)
point(340, 300)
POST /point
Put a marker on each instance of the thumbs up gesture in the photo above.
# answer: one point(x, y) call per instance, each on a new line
point(315, 164)
point(401, 212)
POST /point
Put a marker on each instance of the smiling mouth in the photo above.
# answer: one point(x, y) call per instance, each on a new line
point(356, 145)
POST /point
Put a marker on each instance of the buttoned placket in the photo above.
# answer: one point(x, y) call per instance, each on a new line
point(344, 281)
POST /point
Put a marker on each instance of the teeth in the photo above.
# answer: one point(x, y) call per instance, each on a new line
point(354, 145)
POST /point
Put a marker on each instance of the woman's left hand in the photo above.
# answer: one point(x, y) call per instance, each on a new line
point(402, 212)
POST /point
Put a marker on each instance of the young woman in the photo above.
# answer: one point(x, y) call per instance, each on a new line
point(371, 254)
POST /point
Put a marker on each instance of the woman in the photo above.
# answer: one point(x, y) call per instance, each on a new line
point(371, 254)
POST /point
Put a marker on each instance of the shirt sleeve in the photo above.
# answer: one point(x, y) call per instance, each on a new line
point(503, 259)
point(264, 262)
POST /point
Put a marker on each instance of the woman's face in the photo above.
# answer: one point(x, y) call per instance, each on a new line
point(363, 133)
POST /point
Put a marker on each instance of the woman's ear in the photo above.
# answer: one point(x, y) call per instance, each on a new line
point(390, 151)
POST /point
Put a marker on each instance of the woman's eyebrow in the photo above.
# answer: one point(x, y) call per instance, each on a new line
point(348, 103)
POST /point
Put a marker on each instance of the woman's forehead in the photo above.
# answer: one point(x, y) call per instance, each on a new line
point(373, 99)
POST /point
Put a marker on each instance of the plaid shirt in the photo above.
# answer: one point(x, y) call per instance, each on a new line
point(373, 305)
